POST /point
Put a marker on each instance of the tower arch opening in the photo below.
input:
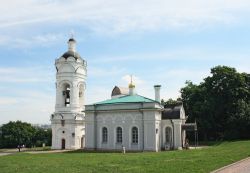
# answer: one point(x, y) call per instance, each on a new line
point(66, 94)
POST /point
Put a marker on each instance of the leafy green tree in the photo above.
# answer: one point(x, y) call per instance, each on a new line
point(17, 133)
point(170, 102)
point(220, 104)
point(42, 136)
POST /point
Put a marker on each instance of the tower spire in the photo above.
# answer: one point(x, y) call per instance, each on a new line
point(71, 34)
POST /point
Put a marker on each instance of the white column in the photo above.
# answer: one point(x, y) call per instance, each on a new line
point(177, 133)
point(59, 97)
point(74, 96)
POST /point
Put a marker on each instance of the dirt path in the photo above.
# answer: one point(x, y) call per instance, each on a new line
point(242, 166)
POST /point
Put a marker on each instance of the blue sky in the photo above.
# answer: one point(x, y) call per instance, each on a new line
point(158, 41)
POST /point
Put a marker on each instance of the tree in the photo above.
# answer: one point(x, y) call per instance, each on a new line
point(42, 136)
point(17, 133)
point(170, 102)
point(220, 103)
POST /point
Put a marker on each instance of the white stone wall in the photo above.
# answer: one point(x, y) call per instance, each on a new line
point(90, 131)
point(111, 121)
point(70, 72)
point(147, 122)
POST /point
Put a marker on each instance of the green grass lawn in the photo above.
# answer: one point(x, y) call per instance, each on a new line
point(199, 160)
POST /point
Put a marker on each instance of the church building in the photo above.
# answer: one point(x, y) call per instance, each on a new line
point(126, 120)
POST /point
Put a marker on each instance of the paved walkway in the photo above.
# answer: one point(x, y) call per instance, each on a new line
point(49, 151)
point(242, 166)
point(13, 151)
point(4, 154)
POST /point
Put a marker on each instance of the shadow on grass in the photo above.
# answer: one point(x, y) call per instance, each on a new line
point(215, 143)
point(208, 143)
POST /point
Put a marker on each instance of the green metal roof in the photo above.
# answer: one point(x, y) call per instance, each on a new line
point(127, 99)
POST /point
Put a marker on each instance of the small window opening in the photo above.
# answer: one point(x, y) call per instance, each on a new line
point(62, 122)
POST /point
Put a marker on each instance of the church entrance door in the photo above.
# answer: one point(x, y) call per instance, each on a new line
point(63, 144)
point(168, 138)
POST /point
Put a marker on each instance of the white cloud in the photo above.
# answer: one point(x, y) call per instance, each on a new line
point(95, 71)
point(24, 23)
point(44, 40)
point(7, 101)
point(181, 54)
point(124, 15)
point(31, 106)
point(25, 75)
point(126, 79)
point(97, 93)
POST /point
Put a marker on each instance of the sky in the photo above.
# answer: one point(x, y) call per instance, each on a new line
point(162, 42)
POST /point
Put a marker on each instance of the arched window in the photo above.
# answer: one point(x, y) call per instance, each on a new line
point(119, 135)
point(104, 135)
point(135, 135)
point(168, 135)
point(66, 94)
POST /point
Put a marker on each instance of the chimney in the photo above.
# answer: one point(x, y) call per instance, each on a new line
point(157, 93)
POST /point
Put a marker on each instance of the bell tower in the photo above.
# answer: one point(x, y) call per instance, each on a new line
point(67, 122)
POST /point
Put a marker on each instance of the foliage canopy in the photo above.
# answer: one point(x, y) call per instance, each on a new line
point(220, 104)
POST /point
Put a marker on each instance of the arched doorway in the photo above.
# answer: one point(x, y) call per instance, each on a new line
point(168, 138)
point(63, 144)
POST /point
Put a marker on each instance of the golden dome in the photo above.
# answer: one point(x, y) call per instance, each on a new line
point(131, 85)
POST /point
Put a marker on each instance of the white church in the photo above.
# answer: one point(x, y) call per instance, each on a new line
point(126, 120)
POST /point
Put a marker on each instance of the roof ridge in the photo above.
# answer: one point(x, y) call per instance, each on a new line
point(110, 99)
point(131, 99)
point(147, 98)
